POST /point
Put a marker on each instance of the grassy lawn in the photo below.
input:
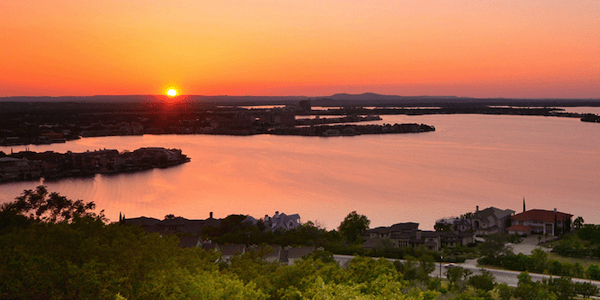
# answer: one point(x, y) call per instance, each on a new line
point(585, 262)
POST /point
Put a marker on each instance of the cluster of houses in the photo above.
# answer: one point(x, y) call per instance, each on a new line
point(29, 165)
point(452, 232)
point(408, 234)
point(462, 231)
point(189, 232)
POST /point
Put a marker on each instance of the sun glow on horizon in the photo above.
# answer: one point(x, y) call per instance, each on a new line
point(172, 92)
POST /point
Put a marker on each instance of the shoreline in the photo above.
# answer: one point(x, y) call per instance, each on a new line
point(49, 165)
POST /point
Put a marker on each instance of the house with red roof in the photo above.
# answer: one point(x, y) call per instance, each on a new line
point(551, 222)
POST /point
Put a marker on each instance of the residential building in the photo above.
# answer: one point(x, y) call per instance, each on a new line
point(229, 251)
point(281, 221)
point(403, 235)
point(291, 254)
point(551, 222)
point(490, 220)
point(173, 225)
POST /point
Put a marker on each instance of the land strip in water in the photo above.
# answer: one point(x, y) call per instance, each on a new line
point(47, 120)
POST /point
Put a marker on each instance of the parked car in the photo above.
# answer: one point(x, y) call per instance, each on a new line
point(450, 266)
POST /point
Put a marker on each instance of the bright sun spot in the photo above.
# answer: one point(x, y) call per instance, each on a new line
point(172, 92)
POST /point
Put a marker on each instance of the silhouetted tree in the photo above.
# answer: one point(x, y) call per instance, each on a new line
point(353, 226)
point(578, 222)
point(41, 206)
point(442, 227)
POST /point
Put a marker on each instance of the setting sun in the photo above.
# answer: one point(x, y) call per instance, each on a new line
point(172, 92)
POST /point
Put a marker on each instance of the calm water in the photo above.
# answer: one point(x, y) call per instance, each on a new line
point(470, 160)
point(583, 110)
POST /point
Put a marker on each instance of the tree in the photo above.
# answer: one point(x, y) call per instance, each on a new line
point(353, 226)
point(442, 227)
point(484, 282)
point(526, 289)
point(41, 206)
point(593, 272)
point(504, 291)
point(495, 246)
point(457, 277)
point(586, 289)
point(578, 222)
point(562, 287)
point(426, 266)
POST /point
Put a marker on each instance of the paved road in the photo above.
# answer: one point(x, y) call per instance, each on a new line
point(502, 276)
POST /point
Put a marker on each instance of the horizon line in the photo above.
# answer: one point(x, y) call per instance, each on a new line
point(320, 96)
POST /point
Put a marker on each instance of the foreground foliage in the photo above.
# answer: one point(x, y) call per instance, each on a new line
point(496, 253)
point(79, 256)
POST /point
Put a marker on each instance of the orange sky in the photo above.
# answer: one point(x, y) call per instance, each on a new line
point(478, 48)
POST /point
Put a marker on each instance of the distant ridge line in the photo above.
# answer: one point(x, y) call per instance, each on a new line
point(335, 99)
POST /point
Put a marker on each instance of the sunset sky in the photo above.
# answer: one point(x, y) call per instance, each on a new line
point(478, 48)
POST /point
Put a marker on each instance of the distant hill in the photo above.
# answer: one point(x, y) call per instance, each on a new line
point(374, 96)
point(342, 99)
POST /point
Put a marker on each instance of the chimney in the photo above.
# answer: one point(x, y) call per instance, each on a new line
point(211, 215)
point(477, 208)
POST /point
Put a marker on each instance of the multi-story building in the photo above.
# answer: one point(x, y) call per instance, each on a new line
point(551, 222)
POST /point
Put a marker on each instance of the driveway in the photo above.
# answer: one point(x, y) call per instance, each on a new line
point(528, 244)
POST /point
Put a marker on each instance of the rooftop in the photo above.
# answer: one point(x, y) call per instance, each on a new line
point(541, 215)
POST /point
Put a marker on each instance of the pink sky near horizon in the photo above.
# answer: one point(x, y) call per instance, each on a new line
point(512, 49)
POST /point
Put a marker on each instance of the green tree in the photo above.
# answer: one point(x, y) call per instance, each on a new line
point(457, 277)
point(504, 291)
point(41, 206)
point(484, 281)
point(527, 289)
point(593, 272)
point(562, 287)
point(353, 226)
point(586, 289)
point(539, 260)
point(495, 246)
point(408, 268)
point(426, 266)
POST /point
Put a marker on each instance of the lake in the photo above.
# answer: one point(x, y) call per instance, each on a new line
point(469, 161)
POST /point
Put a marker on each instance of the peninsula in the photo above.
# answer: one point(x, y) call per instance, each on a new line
point(47, 120)
point(29, 165)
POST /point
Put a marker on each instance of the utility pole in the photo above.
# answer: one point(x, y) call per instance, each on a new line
point(441, 259)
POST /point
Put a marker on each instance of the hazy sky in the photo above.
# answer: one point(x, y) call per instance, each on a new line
point(479, 48)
